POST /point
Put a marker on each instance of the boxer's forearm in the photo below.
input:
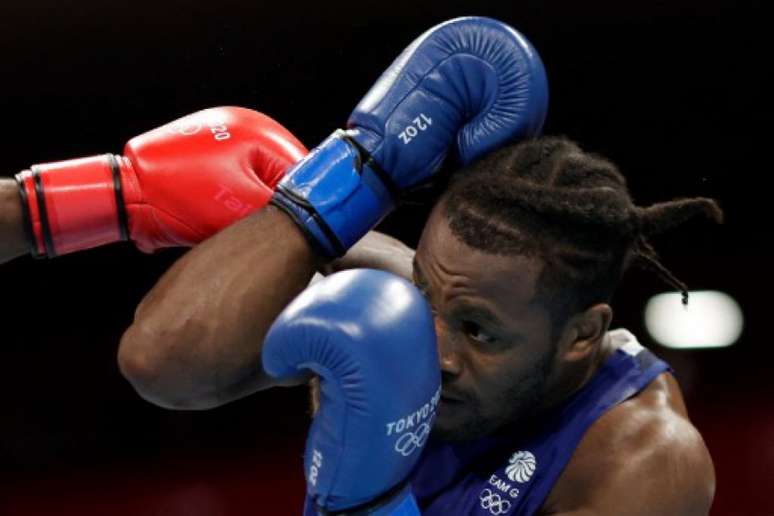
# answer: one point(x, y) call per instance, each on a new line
point(13, 242)
point(196, 339)
point(376, 251)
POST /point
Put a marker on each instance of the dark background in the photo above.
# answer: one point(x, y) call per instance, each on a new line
point(671, 91)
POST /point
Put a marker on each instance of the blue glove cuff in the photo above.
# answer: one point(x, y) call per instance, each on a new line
point(336, 194)
point(403, 504)
point(400, 502)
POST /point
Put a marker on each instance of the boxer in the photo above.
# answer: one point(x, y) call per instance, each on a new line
point(543, 409)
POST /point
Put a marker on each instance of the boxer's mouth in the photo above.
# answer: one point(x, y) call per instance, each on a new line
point(450, 398)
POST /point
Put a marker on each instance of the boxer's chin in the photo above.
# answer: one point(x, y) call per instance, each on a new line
point(456, 421)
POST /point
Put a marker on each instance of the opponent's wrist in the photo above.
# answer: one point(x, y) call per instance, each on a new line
point(72, 205)
point(13, 241)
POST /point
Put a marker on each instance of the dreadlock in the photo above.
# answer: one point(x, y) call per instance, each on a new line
point(548, 199)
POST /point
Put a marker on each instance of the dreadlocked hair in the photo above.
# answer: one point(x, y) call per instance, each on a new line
point(547, 198)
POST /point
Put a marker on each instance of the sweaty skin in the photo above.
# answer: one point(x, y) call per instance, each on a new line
point(13, 242)
point(501, 365)
point(643, 457)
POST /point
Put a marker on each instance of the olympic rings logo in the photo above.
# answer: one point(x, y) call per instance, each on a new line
point(185, 127)
point(493, 502)
point(409, 442)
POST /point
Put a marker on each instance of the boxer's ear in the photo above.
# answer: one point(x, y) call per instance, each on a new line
point(585, 332)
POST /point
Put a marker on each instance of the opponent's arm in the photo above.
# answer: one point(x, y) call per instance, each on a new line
point(13, 242)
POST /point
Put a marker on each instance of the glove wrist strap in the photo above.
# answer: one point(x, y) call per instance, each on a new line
point(336, 194)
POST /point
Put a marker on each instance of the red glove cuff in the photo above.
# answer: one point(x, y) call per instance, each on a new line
point(73, 205)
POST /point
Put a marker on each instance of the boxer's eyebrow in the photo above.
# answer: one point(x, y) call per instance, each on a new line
point(480, 313)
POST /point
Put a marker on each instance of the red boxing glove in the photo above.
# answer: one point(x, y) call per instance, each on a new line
point(174, 186)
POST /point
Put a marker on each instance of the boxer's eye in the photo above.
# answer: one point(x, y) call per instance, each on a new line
point(475, 332)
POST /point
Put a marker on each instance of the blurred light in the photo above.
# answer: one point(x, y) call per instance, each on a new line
point(711, 320)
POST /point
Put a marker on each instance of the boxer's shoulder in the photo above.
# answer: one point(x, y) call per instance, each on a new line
point(642, 457)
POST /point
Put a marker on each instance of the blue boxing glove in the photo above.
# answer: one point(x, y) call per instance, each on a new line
point(468, 85)
point(369, 335)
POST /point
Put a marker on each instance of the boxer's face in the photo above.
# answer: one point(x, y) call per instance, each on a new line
point(494, 344)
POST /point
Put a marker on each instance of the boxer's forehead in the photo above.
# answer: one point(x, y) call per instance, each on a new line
point(508, 280)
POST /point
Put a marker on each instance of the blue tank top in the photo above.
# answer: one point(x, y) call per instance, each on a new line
point(513, 475)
